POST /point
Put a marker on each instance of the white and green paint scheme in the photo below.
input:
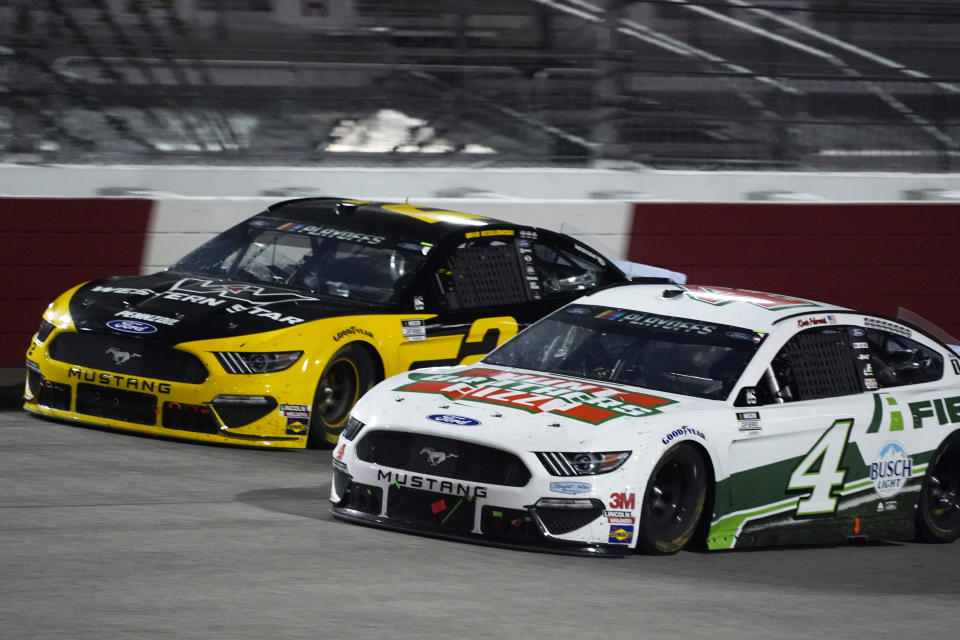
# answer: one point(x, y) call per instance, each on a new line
point(847, 462)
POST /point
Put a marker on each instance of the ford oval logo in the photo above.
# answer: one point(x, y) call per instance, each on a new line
point(132, 326)
point(460, 421)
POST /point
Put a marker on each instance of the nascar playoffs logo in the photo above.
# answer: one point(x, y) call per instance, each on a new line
point(891, 470)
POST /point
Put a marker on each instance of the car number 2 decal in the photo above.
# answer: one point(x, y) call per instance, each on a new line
point(480, 339)
point(820, 471)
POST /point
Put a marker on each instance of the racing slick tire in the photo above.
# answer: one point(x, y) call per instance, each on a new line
point(348, 375)
point(674, 501)
point(938, 507)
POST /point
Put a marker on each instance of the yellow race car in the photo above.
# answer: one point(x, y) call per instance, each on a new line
point(270, 332)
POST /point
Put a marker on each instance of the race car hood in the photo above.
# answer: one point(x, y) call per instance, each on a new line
point(493, 405)
point(176, 307)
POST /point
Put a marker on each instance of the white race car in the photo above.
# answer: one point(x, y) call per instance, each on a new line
point(653, 416)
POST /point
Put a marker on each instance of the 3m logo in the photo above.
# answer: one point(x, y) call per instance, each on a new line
point(623, 501)
point(720, 296)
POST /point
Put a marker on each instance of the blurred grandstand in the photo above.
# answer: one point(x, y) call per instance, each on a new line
point(702, 84)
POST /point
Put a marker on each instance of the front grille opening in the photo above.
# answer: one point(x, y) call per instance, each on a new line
point(444, 457)
point(128, 356)
point(116, 404)
point(52, 395)
point(561, 521)
point(188, 417)
point(361, 497)
point(238, 415)
point(439, 511)
point(515, 525)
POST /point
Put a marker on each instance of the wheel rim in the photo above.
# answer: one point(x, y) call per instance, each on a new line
point(943, 492)
point(671, 500)
point(342, 381)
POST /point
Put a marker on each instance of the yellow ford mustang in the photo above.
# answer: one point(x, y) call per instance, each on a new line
point(269, 333)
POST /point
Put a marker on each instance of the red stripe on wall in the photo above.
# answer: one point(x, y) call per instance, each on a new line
point(52, 244)
point(872, 257)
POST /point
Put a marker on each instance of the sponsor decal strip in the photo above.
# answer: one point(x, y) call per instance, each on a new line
point(587, 402)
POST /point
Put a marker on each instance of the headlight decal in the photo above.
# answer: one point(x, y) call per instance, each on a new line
point(44, 331)
point(246, 362)
point(581, 463)
point(352, 428)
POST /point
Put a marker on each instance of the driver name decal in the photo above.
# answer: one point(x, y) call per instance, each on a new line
point(584, 401)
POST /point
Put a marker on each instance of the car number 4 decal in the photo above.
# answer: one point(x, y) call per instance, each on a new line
point(820, 471)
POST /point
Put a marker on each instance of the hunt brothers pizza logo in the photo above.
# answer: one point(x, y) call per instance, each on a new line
point(538, 394)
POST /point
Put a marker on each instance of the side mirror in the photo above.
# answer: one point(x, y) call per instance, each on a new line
point(747, 398)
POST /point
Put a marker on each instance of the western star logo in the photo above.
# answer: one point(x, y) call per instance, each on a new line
point(719, 296)
point(575, 399)
point(213, 293)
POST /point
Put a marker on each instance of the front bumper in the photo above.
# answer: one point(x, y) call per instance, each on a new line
point(449, 509)
point(262, 410)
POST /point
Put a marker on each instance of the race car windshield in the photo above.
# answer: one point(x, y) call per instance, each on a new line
point(318, 260)
point(661, 353)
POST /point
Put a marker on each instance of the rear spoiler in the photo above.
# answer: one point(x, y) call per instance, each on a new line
point(929, 328)
point(645, 273)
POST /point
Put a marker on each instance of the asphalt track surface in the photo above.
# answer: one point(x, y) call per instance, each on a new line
point(107, 535)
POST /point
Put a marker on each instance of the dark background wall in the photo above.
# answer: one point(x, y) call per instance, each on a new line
point(51, 244)
point(870, 257)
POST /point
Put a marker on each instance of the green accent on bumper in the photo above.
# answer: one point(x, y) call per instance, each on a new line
point(723, 532)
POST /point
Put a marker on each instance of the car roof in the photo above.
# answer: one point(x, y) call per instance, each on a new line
point(405, 220)
point(725, 305)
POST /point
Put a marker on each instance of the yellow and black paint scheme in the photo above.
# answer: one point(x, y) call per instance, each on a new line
point(218, 357)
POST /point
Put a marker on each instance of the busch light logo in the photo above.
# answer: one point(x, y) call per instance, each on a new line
point(460, 421)
point(891, 470)
point(132, 326)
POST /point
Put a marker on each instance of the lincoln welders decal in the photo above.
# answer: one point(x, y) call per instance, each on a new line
point(582, 401)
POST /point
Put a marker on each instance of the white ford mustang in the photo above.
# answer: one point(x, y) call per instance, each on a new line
point(654, 416)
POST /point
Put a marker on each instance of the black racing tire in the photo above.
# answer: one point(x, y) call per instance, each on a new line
point(938, 507)
point(673, 502)
point(349, 374)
